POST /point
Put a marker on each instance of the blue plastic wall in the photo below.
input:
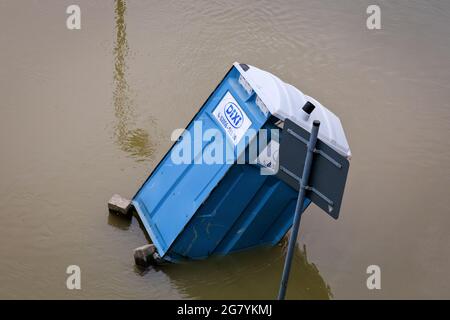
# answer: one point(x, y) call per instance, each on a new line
point(246, 210)
point(195, 210)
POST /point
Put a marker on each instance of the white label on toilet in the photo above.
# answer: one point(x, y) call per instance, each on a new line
point(232, 118)
point(268, 158)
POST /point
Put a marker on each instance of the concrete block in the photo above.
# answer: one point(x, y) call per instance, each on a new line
point(143, 256)
point(119, 205)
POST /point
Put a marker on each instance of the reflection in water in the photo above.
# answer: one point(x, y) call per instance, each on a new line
point(119, 222)
point(253, 274)
point(133, 141)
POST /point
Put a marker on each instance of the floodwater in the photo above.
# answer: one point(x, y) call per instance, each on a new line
point(88, 113)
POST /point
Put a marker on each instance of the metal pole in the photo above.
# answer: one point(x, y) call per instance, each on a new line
point(298, 209)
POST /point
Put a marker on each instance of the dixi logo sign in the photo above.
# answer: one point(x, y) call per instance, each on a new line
point(234, 115)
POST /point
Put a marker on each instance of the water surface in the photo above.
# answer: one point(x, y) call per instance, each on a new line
point(85, 114)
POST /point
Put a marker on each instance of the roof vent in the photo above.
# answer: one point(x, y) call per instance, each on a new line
point(308, 107)
point(244, 66)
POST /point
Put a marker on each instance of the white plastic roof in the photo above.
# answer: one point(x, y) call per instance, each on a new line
point(285, 101)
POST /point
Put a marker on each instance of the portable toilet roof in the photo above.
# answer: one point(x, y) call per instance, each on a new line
point(285, 101)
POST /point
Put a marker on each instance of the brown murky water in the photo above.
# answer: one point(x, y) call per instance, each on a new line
point(88, 113)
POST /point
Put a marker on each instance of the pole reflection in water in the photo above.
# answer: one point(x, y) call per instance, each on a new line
point(253, 274)
point(134, 141)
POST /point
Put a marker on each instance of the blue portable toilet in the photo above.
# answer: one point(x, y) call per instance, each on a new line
point(211, 193)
